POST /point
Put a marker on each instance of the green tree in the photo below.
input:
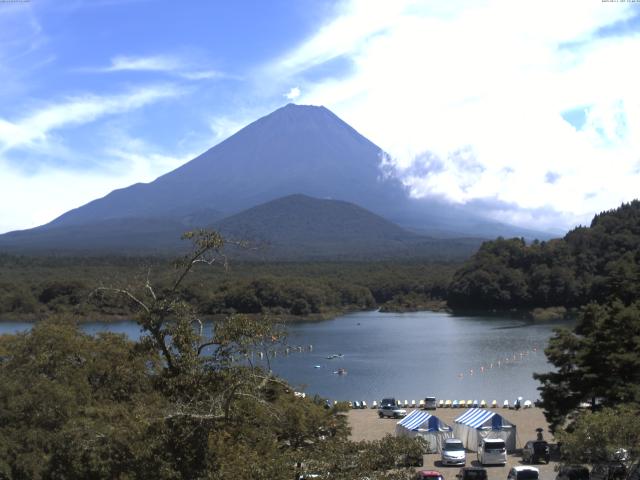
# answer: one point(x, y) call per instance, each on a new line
point(594, 437)
point(597, 362)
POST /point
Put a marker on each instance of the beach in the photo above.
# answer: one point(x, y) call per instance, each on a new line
point(365, 425)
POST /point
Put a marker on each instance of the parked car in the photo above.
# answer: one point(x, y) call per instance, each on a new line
point(430, 474)
point(523, 473)
point(453, 452)
point(388, 401)
point(391, 411)
point(573, 472)
point(535, 450)
point(609, 471)
point(492, 451)
point(430, 403)
point(472, 473)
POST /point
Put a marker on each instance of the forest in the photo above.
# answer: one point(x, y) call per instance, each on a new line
point(596, 263)
point(32, 287)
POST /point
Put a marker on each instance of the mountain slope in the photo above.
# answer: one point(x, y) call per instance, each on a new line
point(302, 227)
point(296, 149)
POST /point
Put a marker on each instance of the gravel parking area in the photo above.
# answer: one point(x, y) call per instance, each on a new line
point(365, 425)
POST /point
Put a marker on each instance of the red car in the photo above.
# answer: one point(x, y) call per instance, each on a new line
point(430, 474)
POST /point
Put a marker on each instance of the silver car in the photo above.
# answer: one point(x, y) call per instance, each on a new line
point(453, 452)
point(391, 411)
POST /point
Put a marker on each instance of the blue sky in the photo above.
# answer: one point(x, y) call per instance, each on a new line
point(531, 109)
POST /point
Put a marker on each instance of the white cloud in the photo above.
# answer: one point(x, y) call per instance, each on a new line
point(170, 64)
point(152, 63)
point(492, 79)
point(293, 93)
point(56, 190)
point(35, 128)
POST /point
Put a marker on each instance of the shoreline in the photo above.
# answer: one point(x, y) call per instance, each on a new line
point(535, 315)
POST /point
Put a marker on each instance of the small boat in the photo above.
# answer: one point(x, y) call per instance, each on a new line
point(494, 404)
point(398, 403)
point(422, 403)
point(527, 404)
point(455, 404)
point(364, 404)
point(475, 404)
point(374, 404)
point(413, 404)
point(356, 404)
point(469, 403)
point(447, 404)
point(340, 371)
point(505, 404)
point(440, 403)
point(483, 404)
point(316, 366)
point(406, 404)
point(332, 356)
point(350, 404)
point(462, 404)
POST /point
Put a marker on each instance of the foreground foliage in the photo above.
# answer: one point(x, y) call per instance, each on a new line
point(176, 404)
point(595, 437)
point(596, 362)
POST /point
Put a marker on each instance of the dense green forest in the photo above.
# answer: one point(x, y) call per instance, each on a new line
point(32, 287)
point(595, 263)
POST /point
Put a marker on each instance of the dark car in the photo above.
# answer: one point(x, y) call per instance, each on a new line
point(609, 471)
point(535, 451)
point(573, 472)
point(472, 473)
point(388, 401)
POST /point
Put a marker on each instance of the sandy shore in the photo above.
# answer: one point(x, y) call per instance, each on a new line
point(365, 425)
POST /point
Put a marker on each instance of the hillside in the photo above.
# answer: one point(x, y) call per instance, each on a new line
point(595, 263)
point(300, 227)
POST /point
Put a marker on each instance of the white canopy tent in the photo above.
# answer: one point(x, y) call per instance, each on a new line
point(422, 424)
point(478, 423)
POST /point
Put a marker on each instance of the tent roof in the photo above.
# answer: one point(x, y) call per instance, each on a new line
point(477, 417)
point(418, 418)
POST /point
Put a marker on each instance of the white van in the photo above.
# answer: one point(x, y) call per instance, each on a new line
point(492, 451)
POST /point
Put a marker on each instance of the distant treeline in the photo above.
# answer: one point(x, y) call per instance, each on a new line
point(590, 264)
point(39, 286)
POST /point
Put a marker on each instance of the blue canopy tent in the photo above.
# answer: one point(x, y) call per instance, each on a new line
point(478, 423)
point(422, 424)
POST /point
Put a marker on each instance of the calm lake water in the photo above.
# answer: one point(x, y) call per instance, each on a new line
point(408, 355)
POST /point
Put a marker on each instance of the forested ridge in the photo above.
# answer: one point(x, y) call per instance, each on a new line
point(31, 287)
point(596, 263)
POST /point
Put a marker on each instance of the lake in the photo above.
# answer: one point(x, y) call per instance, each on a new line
point(405, 355)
